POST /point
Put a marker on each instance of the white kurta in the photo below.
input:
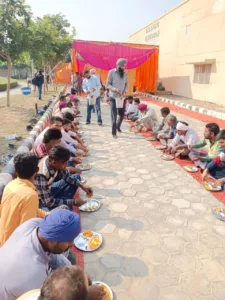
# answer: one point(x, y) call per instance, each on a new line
point(149, 120)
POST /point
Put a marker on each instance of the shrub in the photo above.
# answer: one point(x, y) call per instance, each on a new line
point(3, 84)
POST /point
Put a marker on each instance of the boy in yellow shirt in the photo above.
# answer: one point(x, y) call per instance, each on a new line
point(20, 198)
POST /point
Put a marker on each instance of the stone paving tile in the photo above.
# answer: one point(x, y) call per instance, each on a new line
point(160, 240)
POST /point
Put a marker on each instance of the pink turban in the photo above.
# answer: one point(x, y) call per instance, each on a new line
point(142, 107)
point(62, 105)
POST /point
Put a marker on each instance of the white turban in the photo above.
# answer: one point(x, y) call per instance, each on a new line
point(182, 127)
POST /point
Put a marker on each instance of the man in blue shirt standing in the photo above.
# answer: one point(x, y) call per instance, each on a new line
point(91, 86)
point(117, 83)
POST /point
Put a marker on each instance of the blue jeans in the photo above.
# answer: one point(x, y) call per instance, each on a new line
point(90, 109)
point(70, 162)
point(98, 110)
point(63, 190)
point(39, 91)
point(218, 173)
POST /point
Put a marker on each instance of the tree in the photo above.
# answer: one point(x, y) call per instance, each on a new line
point(51, 41)
point(15, 18)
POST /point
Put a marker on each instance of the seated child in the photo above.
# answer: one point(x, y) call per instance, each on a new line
point(55, 185)
point(132, 108)
point(134, 116)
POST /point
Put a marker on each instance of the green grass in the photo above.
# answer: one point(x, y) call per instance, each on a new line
point(3, 83)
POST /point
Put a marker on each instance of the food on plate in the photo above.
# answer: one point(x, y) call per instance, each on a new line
point(94, 243)
point(107, 295)
point(88, 233)
point(208, 186)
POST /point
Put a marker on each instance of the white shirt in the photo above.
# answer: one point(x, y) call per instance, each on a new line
point(190, 138)
point(67, 109)
point(40, 137)
point(66, 140)
point(24, 265)
point(92, 83)
point(132, 108)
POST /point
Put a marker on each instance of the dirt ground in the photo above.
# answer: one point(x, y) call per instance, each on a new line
point(15, 119)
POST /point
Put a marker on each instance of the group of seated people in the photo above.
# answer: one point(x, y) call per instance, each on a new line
point(37, 222)
point(182, 140)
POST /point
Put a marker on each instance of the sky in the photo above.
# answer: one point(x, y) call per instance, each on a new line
point(105, 20)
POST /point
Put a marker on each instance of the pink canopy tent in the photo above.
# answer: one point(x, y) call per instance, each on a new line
point(104, 56)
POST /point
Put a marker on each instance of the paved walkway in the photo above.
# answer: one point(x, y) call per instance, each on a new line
point(160, 239)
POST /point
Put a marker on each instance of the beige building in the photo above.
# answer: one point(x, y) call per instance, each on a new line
point(191, 38)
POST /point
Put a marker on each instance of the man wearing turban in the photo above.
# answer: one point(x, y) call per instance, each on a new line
point(35, 249)
point(117, 83)
point(184, 138)
point(147, 119)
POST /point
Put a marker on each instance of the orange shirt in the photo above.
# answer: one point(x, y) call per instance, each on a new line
point(19, 204)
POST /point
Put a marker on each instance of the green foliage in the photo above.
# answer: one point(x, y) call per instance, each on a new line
point(4, 81)
point(14, 28)
point(51, 39)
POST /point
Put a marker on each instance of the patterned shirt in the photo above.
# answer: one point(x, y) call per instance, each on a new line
point(213, 149)
point(44, 188)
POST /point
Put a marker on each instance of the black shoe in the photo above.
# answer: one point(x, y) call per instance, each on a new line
point(88, 123)
point(119, 130)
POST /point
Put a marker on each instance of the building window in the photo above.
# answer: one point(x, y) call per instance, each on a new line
point(202, 74)
point(188, 30)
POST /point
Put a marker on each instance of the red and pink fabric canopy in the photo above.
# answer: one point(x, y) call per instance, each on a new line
point(104, 56)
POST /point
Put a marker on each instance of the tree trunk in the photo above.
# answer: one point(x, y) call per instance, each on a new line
point(9, 62)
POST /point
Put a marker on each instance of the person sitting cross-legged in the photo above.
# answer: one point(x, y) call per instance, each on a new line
point(185, 137)
point(34, 250)
point(200, 159)
point(147, 120)
point(131, 108)
point(163, 129)
point(68, 108)
point(20, 198)
point(134, 116)
point(51, 138)
point(216, 168)
point(55, 185)
point(172, 124)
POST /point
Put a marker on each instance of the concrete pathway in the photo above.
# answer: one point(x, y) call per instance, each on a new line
point(160, 239)
point(14, 91)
